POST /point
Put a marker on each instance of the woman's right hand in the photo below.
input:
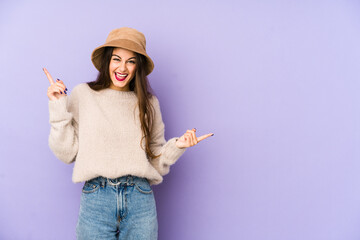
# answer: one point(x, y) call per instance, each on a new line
point(56, 89)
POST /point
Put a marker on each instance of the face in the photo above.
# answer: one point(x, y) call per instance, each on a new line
point(122, 69)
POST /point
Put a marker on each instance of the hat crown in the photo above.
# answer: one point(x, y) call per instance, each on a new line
point(126, 33)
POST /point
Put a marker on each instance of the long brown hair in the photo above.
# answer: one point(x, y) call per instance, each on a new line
point(140, 85)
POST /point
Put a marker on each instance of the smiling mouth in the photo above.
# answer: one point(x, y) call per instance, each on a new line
point(120, 77)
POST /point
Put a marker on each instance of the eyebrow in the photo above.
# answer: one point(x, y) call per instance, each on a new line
point(120, 57)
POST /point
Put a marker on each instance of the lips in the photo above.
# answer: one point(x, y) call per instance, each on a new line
point(120, 77)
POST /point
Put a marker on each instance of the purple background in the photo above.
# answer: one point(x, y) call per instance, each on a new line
point(276, 81)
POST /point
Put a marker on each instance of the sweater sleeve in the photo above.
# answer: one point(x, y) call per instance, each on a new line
point(63, 138)
point(170, 153)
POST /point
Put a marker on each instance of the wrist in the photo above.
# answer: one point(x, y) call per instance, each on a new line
point(177, 144)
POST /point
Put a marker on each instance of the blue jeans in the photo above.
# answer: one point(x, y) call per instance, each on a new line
point(119, 208)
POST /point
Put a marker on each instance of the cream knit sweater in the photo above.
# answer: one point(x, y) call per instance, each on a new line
point(101, 133)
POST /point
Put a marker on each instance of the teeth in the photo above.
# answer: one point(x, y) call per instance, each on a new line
point(121, 75)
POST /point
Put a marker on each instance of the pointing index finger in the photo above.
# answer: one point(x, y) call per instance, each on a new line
point(204, 137)
point(51, 80)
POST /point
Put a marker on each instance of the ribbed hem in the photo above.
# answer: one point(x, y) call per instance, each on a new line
point(172, 153)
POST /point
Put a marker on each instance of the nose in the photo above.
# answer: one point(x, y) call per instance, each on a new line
point(122, 67)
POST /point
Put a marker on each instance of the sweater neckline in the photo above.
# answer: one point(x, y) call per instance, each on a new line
point(112, 93)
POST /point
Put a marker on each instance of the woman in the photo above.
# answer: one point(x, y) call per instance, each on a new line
point(113, 128)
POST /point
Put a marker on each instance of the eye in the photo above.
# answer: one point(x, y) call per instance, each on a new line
point(116, 59)
point(132, 62)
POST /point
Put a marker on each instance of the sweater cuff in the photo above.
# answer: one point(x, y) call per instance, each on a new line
point(172, 152)
point(57, 108)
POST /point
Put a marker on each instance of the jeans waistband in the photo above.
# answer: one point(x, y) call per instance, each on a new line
point(126, 180)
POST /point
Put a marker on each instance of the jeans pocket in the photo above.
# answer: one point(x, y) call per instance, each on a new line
point(143, 187)
point(90, 186)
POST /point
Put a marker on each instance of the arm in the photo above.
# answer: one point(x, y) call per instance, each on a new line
point(170, 153)
point(63, 138)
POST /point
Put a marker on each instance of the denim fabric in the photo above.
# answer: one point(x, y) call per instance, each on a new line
point(120, 208)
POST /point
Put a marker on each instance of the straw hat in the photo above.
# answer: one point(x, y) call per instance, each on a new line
point(127, 38)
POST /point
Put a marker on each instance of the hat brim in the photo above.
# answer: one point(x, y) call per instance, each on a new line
point(96, 55)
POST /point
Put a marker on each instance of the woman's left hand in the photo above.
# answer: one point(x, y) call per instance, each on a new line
point(189, 139)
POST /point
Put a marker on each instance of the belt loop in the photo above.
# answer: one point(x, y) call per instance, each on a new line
point(102, 181)
point(107, 180)
point(129, 180)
